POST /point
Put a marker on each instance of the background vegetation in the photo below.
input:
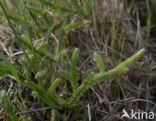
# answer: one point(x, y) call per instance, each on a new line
point(60, 59)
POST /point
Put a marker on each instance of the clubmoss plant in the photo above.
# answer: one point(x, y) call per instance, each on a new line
point(78, 90)
point(40, 29)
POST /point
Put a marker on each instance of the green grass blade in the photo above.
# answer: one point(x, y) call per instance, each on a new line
point(44, 95)
point(2, 94)
point(88, 4)
point(58, 7)
point(12, 15)
point(7, 67)
point(76, 25)
point(27, 43)
point(9, 109)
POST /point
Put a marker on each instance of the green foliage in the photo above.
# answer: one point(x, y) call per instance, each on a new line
point(88, 6)
point(88, 82)
point(44, 95)
point(73, 72)
point(99, 62)
point(2, 94)
point(8, 68)
point(8, 107)
point(41, 66)
point(53, 86)
point(93, 78)
point(75, 25)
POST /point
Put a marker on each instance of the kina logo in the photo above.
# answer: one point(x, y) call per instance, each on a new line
point(138, 115)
